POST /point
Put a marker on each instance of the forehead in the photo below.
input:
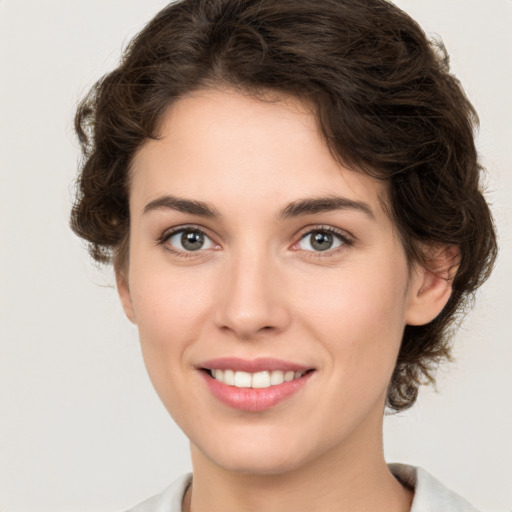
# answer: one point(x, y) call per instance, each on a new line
point(266, 151)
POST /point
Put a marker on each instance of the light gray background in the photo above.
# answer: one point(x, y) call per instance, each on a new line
point(80, 426)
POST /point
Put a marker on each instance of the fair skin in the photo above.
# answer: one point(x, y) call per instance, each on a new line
point(260, 278)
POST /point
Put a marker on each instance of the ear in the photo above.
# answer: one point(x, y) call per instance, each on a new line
point(123, 289)
point(431, 284)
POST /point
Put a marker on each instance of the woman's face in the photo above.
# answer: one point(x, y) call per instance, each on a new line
point(252, 251)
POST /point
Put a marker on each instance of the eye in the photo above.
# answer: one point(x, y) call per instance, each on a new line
point(320, 240)
point(188, 240)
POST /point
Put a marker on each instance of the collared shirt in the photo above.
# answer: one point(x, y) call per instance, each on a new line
point(430, 495)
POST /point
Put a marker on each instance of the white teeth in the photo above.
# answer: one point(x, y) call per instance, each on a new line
point(276, 377)
point(260, 380)
point(242, 380)
point(229, 377)
point(263, 379)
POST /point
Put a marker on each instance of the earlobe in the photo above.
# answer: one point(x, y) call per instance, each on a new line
point(431, 285)
point(123, 290)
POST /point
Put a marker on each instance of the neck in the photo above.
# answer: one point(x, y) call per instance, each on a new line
point(345, 478)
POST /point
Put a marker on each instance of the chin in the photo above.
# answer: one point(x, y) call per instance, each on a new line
point(259, 464)
point(256, 458)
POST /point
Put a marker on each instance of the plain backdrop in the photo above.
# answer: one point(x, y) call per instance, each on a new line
point(80, 426)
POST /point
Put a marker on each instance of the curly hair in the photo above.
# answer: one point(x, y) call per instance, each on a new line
point(385, 102)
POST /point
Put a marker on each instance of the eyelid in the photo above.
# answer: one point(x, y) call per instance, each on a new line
point(346, 239)
point(169, 233)
point(176, 229)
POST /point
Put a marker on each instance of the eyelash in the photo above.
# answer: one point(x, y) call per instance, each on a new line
point(346, 241)
point(169, 234)
point(344, 238)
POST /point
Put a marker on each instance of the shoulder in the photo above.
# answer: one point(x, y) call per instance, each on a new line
point(169, 500)
point(430, 495)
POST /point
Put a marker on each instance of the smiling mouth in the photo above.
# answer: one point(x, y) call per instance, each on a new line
point(255, 385)
point(257, 380)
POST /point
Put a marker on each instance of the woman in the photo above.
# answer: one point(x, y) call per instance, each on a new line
point(289, 193)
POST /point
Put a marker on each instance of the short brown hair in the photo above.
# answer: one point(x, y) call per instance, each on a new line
point(386, 105)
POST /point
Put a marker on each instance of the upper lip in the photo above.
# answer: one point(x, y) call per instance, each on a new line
point(252, 365)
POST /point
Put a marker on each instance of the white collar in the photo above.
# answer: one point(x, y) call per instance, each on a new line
point(430, 495)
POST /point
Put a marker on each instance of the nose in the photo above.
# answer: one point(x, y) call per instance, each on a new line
point(252, 298)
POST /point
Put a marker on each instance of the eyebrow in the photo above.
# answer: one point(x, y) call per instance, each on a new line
point(183, 205)
point(307, 206)
point(324, 204)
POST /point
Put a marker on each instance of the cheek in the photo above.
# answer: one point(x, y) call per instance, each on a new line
point(171, 310)
point(169, 305)
point(367, 297)
point(360, 319)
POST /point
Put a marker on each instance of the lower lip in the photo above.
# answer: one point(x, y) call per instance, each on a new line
point(254, 399)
